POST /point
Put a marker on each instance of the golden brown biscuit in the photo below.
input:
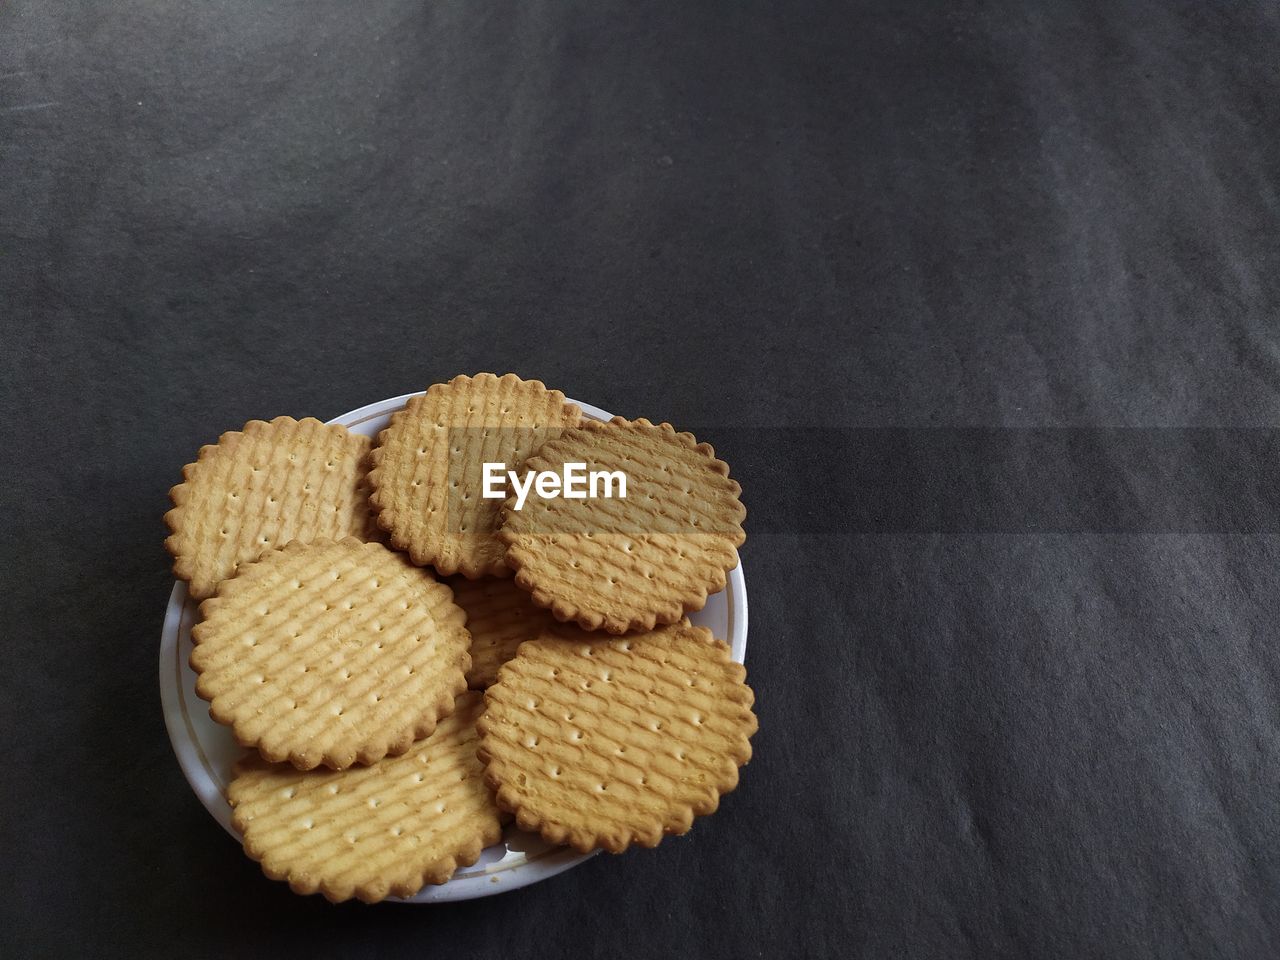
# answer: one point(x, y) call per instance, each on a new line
point(616, 741)
point(627, 563)
point(371, 832)
point(330, 653)
point(427, 467)
point(261, 487)
point(500, 617)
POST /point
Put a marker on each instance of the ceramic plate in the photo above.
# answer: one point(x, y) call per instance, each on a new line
point(207, 750)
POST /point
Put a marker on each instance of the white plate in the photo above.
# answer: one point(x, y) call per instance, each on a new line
point(206, 750)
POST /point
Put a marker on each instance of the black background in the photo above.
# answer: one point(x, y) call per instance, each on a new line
point(818, 233)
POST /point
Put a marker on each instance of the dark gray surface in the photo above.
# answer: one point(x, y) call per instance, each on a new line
point(1043, 729)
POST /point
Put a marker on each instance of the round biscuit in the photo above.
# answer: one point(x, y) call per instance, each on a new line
point(371, 832)
point(260, 487)
point(333, 653)
point(633, 562)
point(427, 468)
point(500, 617)
point(609, 742)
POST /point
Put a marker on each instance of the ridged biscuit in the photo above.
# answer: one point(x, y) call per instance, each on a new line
point(500, 617)
point(371, 832)
point(330, 653)
point(627, 564)
point(616, 741)
point(260, 487)
point(427, 467)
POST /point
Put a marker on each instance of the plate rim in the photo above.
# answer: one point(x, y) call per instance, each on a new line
point(195, 765)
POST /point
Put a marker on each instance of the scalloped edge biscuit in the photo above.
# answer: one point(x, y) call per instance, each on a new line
point(546, 720)
point(500, 617)
point(197, 513)
point(593, 609)
point(405, 516)
point(273, 726)
point(265, 797)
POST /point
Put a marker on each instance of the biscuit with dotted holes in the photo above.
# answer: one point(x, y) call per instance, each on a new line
point(609, 742)
point(427, 468)
point(500, 617)
point(330, 653)
point(260, 487)
point(630, 563)
point(371, 832)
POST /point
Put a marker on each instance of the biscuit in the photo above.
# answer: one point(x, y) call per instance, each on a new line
point(371, 832)
point(616, 741)
point(500, 617)
point(627, 564)
point(260, 487)
point(330, 653)
point(427, 473)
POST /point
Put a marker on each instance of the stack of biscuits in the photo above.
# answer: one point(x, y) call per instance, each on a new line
point(412, 663)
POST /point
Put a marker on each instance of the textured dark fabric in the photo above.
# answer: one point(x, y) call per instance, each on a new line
point(1019, 685)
